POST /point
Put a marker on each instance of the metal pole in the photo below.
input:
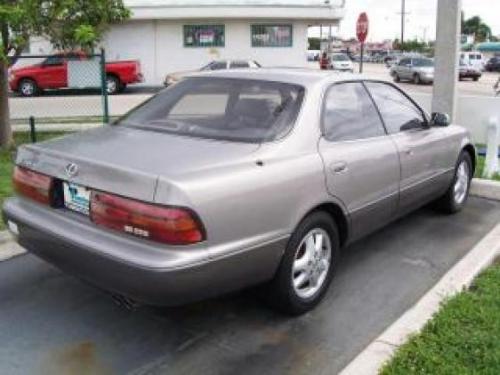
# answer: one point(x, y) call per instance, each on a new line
point(105, 102)
point(32, 129)
point(403, 19)
point(361, 58)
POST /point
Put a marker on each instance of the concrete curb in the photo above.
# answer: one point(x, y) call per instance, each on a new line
point(485, 189)
point(379, 351)
point(5, 237)
point(460, 276)
point(10, 250)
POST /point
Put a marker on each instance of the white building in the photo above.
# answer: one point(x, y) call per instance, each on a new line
point(173, 35)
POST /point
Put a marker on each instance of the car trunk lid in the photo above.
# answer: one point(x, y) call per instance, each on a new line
point(128, 161)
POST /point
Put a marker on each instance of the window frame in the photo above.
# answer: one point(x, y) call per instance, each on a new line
point(252, 26)
point(425, 115)
point(185, 27)
point(323, 111)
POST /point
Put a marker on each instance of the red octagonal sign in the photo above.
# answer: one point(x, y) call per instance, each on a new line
point(362, 27)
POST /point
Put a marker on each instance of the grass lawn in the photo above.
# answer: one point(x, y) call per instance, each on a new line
point(480, 169)
point(462, 338)
point(6, 164)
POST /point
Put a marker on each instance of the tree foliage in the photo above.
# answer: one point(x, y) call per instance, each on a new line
point(475, 26)
point(67, 24)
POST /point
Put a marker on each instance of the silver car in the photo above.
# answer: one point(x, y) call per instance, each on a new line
point(233, 179)
point(416, 69)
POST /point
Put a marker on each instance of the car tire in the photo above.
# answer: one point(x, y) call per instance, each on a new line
point(456, 196)
point(416, 79)
point(475, 79)
point(28, 88)
point(306, 272)
point(397, 78)
point(113, 85)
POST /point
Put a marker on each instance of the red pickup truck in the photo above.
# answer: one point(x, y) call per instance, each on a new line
point(52, 73)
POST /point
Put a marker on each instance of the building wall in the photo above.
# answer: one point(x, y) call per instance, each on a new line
point(159, 45)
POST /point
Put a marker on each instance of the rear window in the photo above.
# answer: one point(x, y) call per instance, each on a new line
point(238, 110)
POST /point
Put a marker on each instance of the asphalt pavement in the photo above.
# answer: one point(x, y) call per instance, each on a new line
point(51, 323)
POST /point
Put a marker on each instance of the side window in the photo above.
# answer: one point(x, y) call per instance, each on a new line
point(405, 62)
point(54, 60)
point(218, 65)
point(349, 114)
point(239, 64)
point(397, 110)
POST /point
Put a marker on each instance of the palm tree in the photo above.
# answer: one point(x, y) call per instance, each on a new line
point(475, 26)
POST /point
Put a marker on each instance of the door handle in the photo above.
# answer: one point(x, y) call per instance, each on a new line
point(408, 151)
point(338, 167)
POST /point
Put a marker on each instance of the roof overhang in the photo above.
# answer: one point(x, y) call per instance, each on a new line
point(315, 12)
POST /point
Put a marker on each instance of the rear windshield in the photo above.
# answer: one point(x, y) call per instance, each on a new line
point(238, 110)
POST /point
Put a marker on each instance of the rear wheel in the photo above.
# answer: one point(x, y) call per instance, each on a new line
point(113, 85)
point(307, 266)
point(416, 79)
point(28, 88)
point(476, 78)
point(458, 192)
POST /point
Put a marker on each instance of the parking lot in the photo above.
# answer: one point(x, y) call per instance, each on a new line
point(68, 105)
point(51, 323)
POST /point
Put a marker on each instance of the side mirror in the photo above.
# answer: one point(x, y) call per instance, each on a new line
point(440, 119)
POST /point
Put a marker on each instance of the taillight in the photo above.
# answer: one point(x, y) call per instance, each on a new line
point(33, 185)
point(170, 225)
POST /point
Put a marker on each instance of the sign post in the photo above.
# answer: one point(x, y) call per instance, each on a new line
point(362, 27)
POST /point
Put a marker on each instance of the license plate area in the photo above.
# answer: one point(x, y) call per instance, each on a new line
point(76, 198)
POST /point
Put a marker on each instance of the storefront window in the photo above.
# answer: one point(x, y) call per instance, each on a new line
point(204, 35)
point(271, 35)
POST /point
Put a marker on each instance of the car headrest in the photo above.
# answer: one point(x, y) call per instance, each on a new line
point(259, 109)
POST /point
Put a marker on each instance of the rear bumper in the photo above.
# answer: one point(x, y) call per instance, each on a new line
point(134, 268)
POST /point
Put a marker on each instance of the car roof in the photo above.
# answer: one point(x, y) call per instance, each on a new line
point(299, 76)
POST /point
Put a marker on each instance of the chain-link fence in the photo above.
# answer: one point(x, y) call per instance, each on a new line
point(64, 91)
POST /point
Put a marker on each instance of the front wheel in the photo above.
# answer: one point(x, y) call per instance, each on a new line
point(28, 88)
point(416, 79)
point(458, 192)
point(307, 266)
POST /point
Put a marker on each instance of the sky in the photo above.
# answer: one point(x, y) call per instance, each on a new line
point(385, 19)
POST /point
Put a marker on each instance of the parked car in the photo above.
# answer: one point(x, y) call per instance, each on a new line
point(172, 78)
point(52, 74)
point(341, 62)
point(313, 55)
point(475, 59)
point(493, 65)
point(233, 179)
point(469, 71)
point(419, 70)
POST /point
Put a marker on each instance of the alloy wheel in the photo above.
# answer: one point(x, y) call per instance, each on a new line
point(312, 263)
point(461, 183)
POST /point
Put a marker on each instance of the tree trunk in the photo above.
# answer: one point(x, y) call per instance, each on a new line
point(5, 129)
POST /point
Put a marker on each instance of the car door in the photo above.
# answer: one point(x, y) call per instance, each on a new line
point(53, 72)
point(424, 151)
point(360, 160)
point(405, 69)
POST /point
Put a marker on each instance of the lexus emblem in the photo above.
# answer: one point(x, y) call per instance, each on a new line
point(71, 170)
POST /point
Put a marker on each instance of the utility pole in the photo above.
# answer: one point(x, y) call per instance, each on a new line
point(446, 62)
point(403, 20)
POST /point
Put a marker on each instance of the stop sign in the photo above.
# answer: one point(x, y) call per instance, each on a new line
point(362, 27)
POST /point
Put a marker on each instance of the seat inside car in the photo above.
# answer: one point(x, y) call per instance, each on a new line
point(254, 113)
